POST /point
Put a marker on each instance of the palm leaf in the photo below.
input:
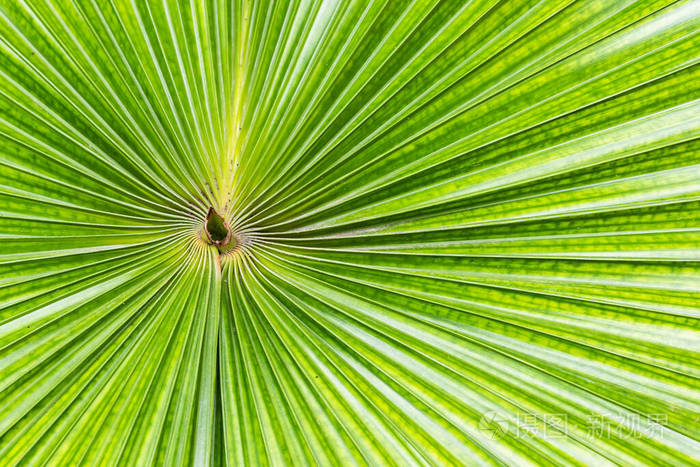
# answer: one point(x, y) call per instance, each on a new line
point(460, 232)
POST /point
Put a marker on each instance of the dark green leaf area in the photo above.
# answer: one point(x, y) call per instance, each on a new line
point(216, 227)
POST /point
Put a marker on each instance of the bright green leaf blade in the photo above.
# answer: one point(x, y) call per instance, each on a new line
point(462, 232)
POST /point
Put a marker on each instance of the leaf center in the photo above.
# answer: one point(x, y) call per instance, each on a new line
point(216, 228)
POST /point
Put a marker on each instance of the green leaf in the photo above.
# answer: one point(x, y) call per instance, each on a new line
point(350, 232)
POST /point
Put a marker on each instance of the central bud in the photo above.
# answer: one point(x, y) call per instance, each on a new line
point(217, 229)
